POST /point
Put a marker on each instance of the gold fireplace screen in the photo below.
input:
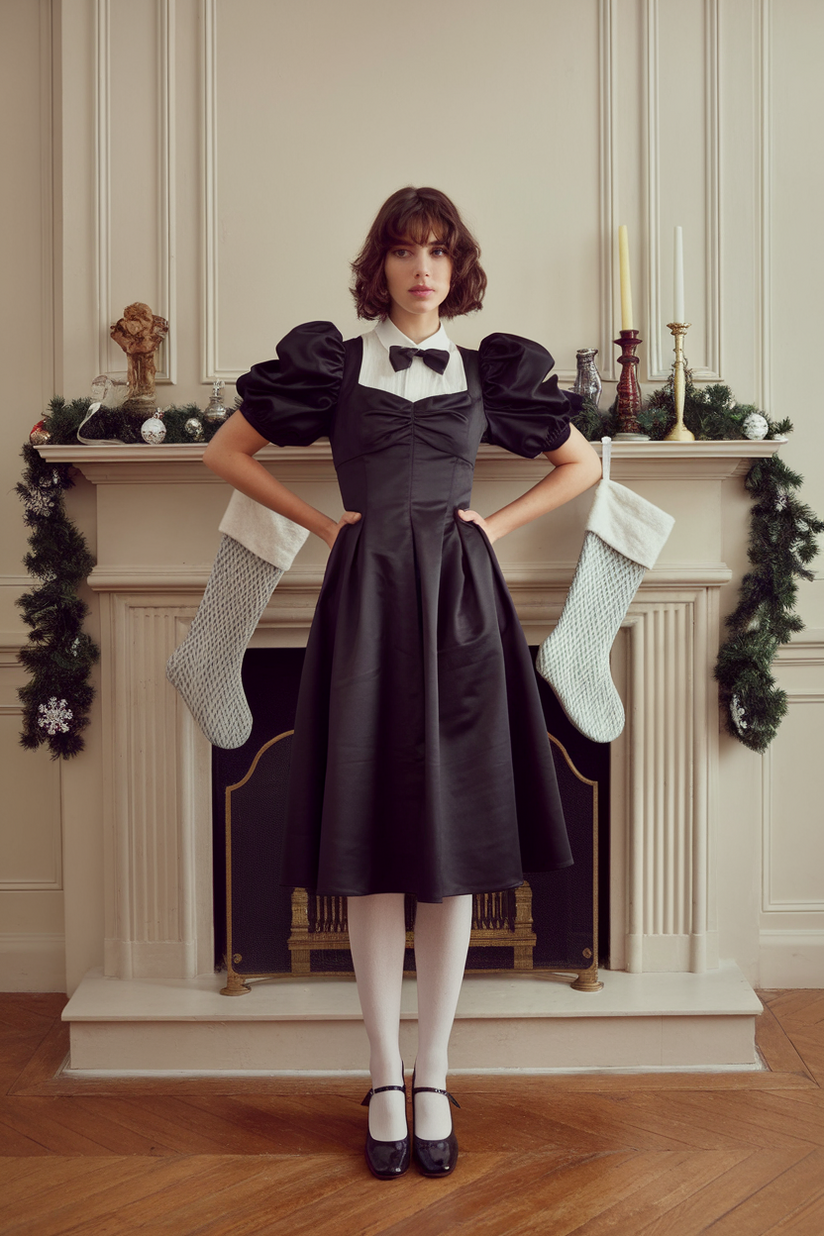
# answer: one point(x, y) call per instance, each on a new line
point(317, 924)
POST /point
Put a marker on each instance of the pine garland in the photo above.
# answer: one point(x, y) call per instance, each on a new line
point(59, 656)
point(64, 420)
point(782, 543)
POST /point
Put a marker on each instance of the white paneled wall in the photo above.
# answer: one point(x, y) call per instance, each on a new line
point(222, 159)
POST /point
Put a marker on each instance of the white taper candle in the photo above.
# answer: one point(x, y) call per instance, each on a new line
point(678, 276)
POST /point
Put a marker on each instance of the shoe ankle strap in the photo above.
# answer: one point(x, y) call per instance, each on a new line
point(380, 1090)
point(434, 1090)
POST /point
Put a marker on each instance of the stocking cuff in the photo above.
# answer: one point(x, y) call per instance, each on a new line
point(271, 537)
point(629, 523)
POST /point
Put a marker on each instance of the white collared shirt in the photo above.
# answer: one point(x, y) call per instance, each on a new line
point(418, 381)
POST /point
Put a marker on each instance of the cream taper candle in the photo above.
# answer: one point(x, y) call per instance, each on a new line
point(626, 283)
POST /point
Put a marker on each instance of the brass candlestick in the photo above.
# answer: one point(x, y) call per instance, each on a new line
point(679, 431)
point(629, 392)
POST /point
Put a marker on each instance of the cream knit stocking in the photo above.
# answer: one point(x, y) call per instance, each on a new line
point(625, 534)
point(256, 548)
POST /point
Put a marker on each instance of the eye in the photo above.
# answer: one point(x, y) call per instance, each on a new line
point(440, 251)
point(399, 253)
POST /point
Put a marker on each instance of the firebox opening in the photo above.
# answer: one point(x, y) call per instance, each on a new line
point(267, 925)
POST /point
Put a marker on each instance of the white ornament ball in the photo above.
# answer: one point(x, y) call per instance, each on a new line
point(755, 426)
point(153, 430)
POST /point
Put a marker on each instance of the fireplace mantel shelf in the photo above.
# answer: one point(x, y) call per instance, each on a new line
point(183, 463)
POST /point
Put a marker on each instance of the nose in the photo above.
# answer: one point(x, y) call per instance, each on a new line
point(422, 262)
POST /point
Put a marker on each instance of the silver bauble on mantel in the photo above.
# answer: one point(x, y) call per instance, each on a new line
point(193, 429)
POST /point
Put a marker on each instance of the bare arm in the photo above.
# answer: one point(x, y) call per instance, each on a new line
point(576, 467)
point(231, 453)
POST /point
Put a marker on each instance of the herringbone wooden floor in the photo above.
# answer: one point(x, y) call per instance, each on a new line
point(733, 1155)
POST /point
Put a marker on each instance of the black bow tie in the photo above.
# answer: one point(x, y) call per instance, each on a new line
point(435, 358)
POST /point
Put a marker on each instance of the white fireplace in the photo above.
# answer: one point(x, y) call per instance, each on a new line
point(668, 1001)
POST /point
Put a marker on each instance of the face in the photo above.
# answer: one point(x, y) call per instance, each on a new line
point(418, 277)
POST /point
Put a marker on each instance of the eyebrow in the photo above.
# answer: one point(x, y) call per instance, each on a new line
point(407, 240)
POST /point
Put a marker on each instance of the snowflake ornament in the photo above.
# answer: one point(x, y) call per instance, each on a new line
point(54, 716)
point(39, 502)
point(737, 713)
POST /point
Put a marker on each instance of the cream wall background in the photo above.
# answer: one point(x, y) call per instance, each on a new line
point(222, 159)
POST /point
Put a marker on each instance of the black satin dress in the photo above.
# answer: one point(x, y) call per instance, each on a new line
point(420, 759)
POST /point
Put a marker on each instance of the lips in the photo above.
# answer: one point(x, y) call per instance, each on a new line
point(421, 291)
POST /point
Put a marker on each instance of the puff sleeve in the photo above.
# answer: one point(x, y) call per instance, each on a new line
point(525, 413)
point(290, 400)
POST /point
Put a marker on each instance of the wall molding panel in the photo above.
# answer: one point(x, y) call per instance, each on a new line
point(41, 854)
point(47, 248)
point(211, 368)
point(763, 373)
point(659, 244)
point(608, 56)
point(791, 935)
point(771, 901)
point(103, 109)
point(163, 14)
point(167, 164)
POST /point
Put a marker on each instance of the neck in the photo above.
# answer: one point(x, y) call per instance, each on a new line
point(416, 326)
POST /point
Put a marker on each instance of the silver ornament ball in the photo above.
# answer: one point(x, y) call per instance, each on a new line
point(153, 430)
point(755, 426)
point(194, 429)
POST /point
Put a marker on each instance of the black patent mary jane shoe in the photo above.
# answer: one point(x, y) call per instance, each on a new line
point(386, 1160)
point(435, 1158)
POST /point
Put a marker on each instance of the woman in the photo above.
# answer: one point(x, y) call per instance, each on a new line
point(420, 760)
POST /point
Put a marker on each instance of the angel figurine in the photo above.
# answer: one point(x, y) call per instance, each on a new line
point(140, 333)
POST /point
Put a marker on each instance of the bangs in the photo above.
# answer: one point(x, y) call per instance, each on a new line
point(417, 225)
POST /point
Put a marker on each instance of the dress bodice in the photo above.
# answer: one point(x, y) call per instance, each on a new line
point(413, 458)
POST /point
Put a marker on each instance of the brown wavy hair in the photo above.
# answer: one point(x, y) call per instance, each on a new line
point(414, 215)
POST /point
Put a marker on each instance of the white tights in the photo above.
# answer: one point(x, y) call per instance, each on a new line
point(377, 935)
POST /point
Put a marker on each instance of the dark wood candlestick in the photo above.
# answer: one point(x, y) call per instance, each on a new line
point(629, 392)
